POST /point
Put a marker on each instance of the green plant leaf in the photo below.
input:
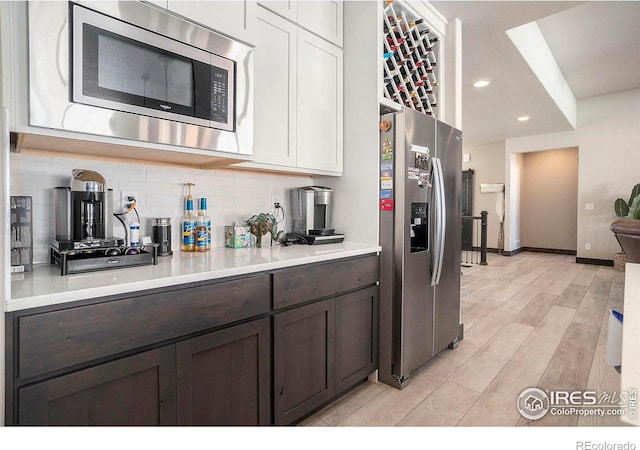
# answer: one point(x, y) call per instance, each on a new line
point(621, 207)
point(634, 209)
point(634, 193)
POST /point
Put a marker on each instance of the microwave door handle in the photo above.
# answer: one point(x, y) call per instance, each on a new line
point(442, 214)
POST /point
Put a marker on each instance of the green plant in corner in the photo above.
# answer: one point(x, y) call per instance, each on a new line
point(630, 210)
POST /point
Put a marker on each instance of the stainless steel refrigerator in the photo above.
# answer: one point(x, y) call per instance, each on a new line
point(420, 234)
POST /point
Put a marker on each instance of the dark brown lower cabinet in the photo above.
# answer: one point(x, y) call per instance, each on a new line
point(224, 377)
point(303, 346)
point(136, 390)
point(264, 349)
point(356, 337)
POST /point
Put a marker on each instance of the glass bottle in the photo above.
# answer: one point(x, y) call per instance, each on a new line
point(188, 225)
point(203, 228)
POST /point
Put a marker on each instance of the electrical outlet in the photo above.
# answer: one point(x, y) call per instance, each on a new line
point(276, 199)
point(587, 246)
point(125, 197)
point(517, 244)
point(588, 206)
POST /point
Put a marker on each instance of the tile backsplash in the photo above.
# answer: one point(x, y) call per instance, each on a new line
point(232, 195)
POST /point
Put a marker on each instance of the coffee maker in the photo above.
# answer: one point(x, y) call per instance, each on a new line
point(82, 212)
point(311, 215)
point(83, 238)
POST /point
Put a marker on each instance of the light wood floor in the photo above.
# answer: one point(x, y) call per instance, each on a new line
point(532, 319)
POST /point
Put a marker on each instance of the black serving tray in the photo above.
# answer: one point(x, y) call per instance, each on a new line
point(71, 262)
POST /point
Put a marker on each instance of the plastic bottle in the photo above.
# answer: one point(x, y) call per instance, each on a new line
point(188, 225)
point(203, 228)
point(134, 234)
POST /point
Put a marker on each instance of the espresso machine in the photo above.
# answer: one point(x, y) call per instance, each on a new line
point(83, 240)
point(311, 216)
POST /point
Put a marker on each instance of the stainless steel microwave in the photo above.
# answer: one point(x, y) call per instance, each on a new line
point(135, 71)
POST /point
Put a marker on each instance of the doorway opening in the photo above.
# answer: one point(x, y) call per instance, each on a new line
point(549, 201)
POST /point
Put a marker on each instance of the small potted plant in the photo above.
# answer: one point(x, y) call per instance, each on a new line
point(262, 224)
point(627, 228)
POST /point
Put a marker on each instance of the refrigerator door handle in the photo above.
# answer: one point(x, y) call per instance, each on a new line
point(442, 215)
point(436, 222)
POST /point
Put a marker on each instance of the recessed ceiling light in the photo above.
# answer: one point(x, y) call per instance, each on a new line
point(523, 118)
point(481, 83)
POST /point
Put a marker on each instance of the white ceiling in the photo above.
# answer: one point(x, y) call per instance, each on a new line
point(596, 44)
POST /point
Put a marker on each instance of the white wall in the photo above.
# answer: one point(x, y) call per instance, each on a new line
point(513, 186)
point(488, 162)
point(608, 139)
point(232, 195)
point(549, 199)
point(356, 192)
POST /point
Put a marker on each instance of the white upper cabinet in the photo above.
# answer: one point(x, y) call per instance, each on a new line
point(324, 18)
point(160, 3)
point(286, 9)
point(275, 90)
point(236, 19)
point(319, 104)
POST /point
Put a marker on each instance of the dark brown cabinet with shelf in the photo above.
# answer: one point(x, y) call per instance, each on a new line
point(329, 343)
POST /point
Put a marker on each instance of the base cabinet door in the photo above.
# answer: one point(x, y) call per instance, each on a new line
point(224, 376)
point(303, 345)
point(137, 390)
point(356, 337)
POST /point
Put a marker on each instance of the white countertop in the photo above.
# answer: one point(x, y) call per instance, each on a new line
point(45, 286)
point(630, 376)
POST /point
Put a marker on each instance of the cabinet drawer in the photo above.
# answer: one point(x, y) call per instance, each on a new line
point(52, 341)
point(295, 286)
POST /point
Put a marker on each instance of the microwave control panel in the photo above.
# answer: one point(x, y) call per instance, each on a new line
point(219, 94)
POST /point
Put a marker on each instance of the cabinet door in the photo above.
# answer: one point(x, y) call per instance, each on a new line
point(319, 104)
point(236, 19)
point(356, 337)
point(223, 377)
point(137, 390)
point(303, 345)
point(275, 90)
point(324, 18)
point(160, 3)
point(287, 9)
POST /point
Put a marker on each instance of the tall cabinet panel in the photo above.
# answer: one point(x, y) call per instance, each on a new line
point(275, 90)
point(319, 104)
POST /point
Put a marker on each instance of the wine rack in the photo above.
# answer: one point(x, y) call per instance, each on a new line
point(409, 59)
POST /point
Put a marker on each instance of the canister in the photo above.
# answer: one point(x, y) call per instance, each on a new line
point(162, 235)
